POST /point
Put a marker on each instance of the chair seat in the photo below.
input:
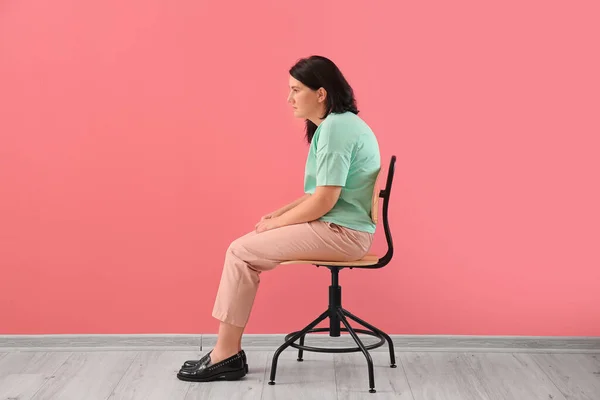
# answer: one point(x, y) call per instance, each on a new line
point(369, 259)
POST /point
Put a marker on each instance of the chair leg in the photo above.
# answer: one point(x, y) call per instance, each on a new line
point(300, 351)
point(377, 330)
point(362, 348)
point(292, 340)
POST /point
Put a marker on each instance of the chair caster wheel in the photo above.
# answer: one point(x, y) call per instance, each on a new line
point(300, 359)
point(271, 383)
point(393, 366)
point(372, 391)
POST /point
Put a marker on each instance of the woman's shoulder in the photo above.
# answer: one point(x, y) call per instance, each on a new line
point(345, 120)
point(343, 116)
point(347, 124)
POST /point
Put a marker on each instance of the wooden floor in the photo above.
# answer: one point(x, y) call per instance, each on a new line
point(146, 375)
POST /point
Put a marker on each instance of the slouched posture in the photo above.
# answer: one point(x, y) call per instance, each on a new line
point(331, 221)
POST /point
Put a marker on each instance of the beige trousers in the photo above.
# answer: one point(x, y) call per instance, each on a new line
point(253, 253)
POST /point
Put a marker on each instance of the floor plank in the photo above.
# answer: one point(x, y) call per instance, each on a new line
point(22, 374)
point(87, 375)
point(152, 375)
point(504, 376)
point(102, 374)
point(481, 376)
point(576, 375)
point(352, 377)
point(248, 388)
point(441, 376)
point(314, 378)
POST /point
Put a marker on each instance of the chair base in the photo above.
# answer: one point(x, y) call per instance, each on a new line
point(337, 314)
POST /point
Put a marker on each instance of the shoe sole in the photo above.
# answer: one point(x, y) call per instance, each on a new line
point(225, 376)
point(190, 366)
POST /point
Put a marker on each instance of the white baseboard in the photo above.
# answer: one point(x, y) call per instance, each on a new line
point(402, 343)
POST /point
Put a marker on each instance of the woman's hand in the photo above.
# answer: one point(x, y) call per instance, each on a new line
point(274, 214)
point(267, 223)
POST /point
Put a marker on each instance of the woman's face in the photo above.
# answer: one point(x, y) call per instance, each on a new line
point(307, 103)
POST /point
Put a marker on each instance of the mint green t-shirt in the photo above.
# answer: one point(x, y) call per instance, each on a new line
point(344, 152)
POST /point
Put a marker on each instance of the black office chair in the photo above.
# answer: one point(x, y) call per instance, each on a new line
point(336, 312)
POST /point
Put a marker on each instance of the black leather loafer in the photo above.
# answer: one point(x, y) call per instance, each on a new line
point(230, 369)
point(193, 363)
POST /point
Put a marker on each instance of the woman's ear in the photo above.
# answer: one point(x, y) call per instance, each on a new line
point(321, 95)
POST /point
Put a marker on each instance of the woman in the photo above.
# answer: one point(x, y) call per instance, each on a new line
point(330, 222)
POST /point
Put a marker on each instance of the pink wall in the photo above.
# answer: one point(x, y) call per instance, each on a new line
point(138, 139)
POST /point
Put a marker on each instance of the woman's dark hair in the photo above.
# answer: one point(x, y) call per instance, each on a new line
point(319, 72)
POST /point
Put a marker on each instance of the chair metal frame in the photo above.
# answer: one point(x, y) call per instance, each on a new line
point(336, 313)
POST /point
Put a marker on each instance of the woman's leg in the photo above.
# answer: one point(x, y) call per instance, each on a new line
point(252, 254)
point(228, 342)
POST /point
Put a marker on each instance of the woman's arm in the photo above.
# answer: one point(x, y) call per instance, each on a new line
point(288, 207)
point(313, 208)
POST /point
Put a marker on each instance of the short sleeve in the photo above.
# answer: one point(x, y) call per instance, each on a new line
point(333, 154)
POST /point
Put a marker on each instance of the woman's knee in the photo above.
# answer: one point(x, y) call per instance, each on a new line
point(244, 249)
point(236, 247)
point(240, 243)
point(238, 250)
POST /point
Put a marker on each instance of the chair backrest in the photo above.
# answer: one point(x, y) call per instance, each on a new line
point(375, 200)
point(385, 195)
